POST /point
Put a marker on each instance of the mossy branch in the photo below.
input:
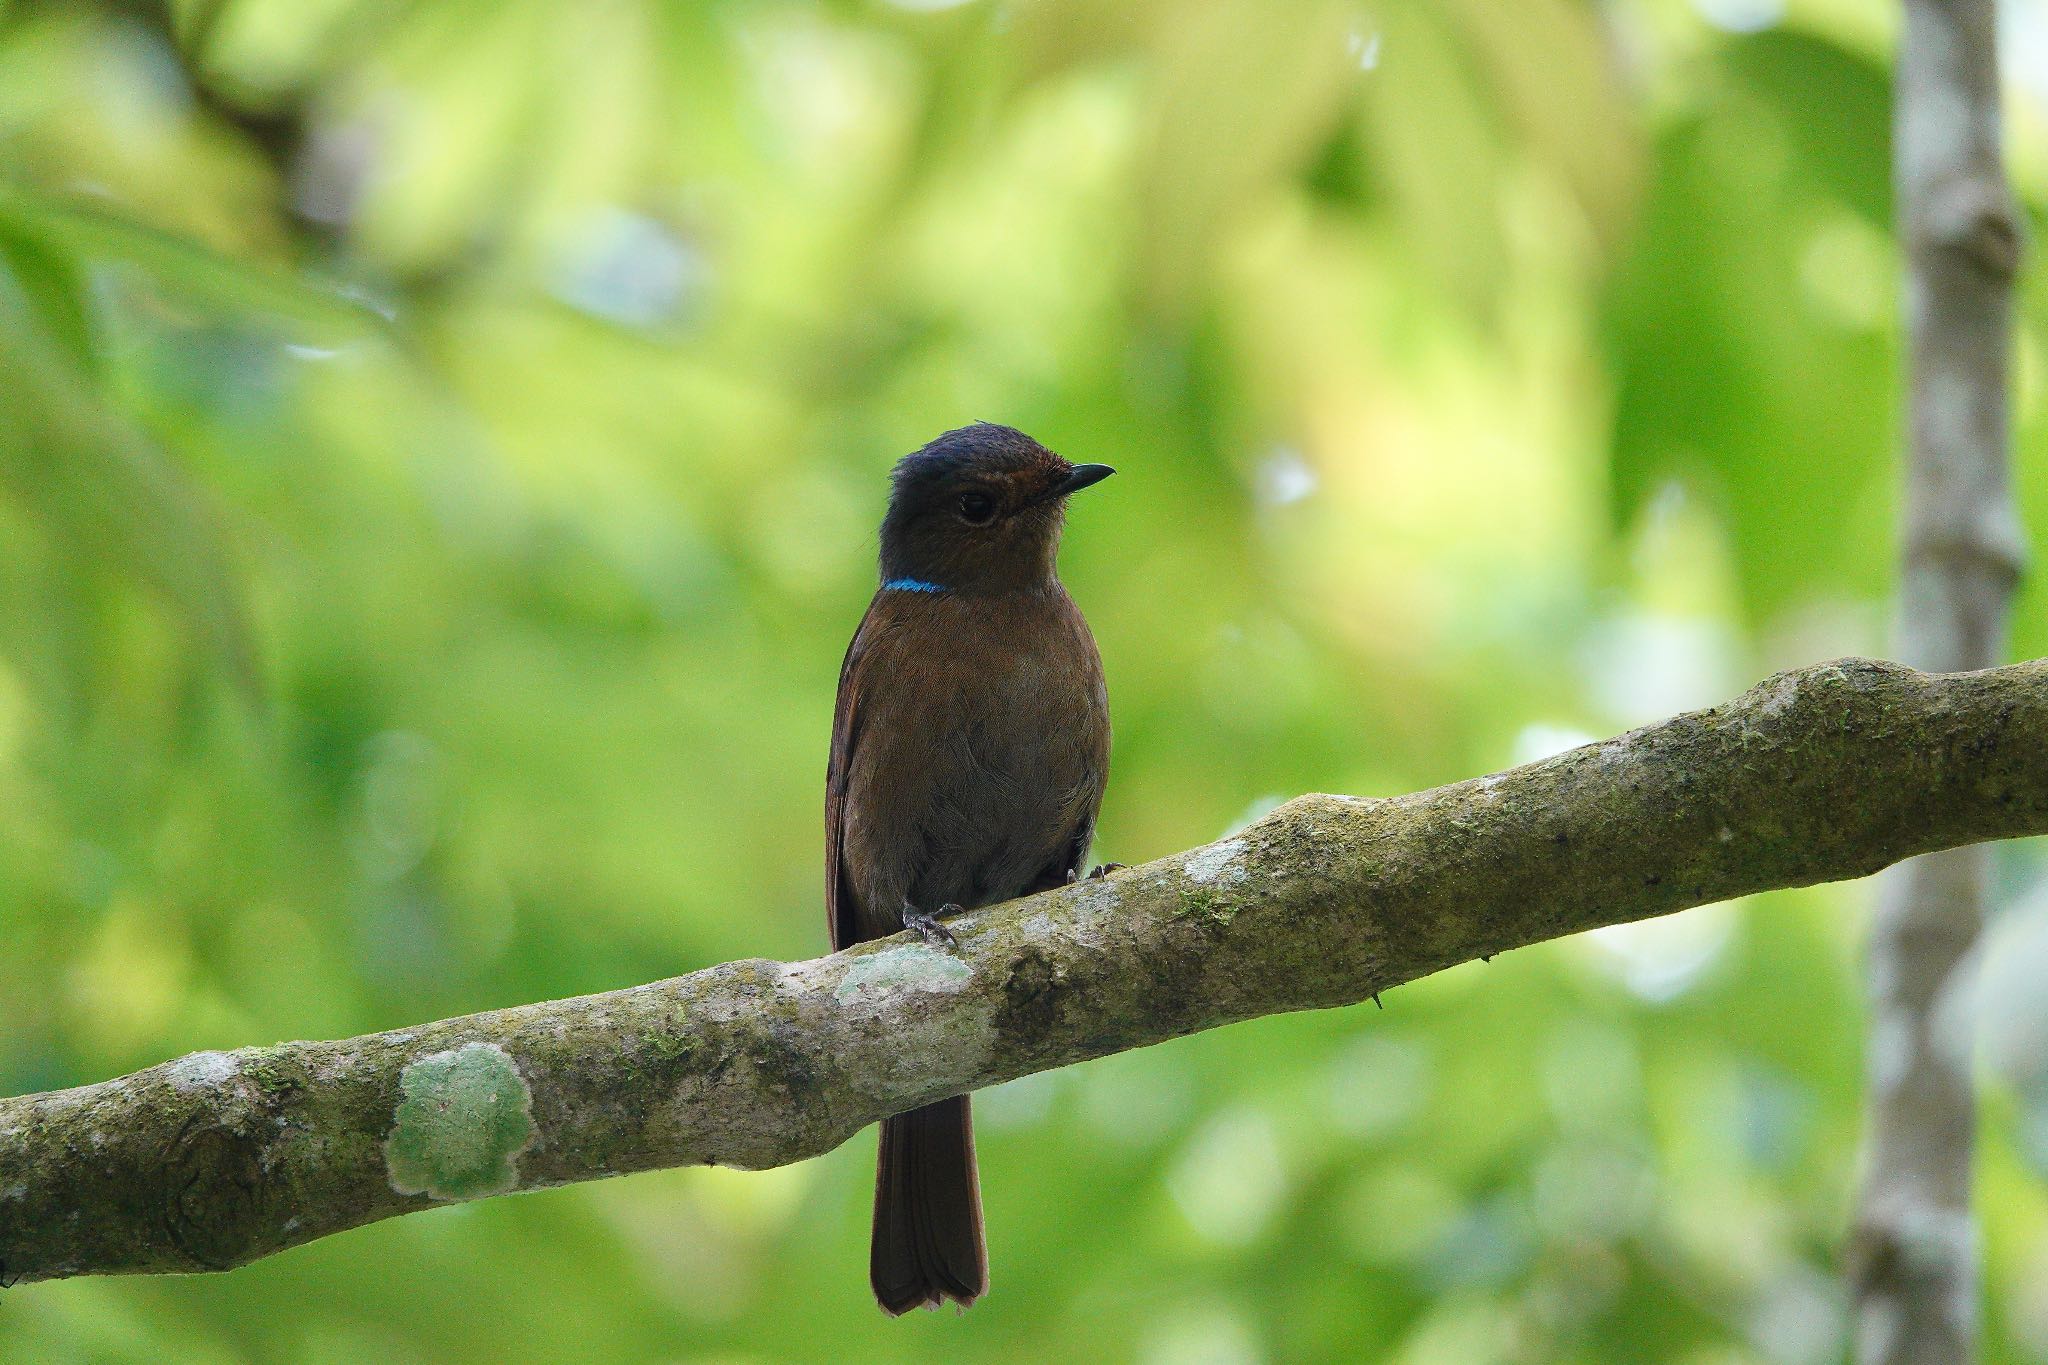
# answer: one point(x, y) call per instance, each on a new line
point(219, 1158)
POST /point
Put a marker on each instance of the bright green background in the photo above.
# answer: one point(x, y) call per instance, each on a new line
point(425, 561)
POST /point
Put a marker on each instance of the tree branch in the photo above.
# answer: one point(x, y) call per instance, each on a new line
point(219, 1158)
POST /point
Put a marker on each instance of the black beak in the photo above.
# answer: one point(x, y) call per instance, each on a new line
point(1078, 478)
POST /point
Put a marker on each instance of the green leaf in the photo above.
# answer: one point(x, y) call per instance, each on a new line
point(1733, 373)
point(1848, 154)
point(55, 287)
point(110, 495)
point(42, 226)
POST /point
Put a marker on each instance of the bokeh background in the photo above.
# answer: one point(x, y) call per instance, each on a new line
point(440, 446)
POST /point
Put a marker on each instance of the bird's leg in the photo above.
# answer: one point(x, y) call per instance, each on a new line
point(928, 927)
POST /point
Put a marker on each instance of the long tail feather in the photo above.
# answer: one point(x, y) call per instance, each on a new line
point(928, 1244)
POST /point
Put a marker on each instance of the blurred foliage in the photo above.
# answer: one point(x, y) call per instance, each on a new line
point(439, 450)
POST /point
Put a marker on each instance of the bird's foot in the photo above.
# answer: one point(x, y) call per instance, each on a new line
point(1074, 877)
point(928, 927)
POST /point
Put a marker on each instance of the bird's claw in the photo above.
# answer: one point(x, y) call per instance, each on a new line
point(1074, 877)
point(928, 928)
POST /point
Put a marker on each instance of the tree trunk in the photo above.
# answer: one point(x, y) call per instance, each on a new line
point(1913, 1259)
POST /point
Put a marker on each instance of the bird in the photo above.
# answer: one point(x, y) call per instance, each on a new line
point(970, 749)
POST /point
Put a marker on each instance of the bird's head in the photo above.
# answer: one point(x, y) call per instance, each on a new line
point(979, 510)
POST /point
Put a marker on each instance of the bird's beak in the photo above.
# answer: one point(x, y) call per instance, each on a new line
point(1078, 478)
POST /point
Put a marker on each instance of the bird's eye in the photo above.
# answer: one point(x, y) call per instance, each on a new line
point(977, 508)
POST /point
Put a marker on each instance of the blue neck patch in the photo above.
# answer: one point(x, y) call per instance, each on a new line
point(911, 585)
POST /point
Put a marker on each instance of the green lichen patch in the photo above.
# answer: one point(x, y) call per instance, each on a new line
point(1196, 903)
point(465, 1117)
point(910, 968)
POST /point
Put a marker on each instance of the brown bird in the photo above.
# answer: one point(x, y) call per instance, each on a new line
point(969, 751)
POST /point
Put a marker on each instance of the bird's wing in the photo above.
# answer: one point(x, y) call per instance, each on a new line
point(839, 908)
point(1085, 797)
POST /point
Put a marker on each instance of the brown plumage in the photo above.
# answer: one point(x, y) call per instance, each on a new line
point(969, 750)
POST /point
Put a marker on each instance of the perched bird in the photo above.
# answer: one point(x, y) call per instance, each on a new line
point(969, 750)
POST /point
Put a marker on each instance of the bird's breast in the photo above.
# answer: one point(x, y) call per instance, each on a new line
point(983, 745)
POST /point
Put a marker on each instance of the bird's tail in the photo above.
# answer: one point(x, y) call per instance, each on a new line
point(927, 1244)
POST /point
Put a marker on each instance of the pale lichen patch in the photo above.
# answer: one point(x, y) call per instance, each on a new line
point(1778, 694)
point(465, 1118)
point(1089, 898)
point(1217, 862)
point(912, 967)
point(801, 976)
point(201, 1069)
